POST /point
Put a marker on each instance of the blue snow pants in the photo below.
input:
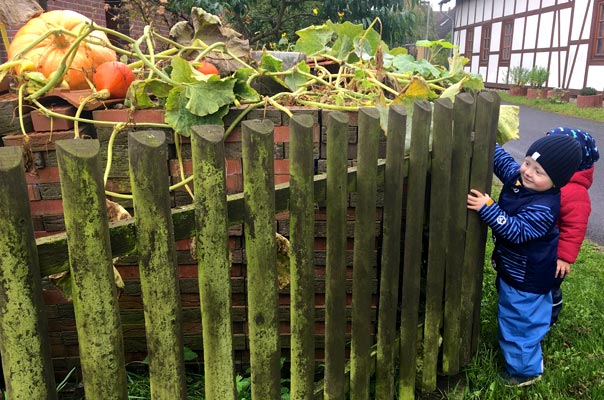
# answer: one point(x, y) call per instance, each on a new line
point(524, 320)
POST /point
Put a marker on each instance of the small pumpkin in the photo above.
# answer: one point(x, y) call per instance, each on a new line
point(47, 54)
point(207, 68)
point(115, 77)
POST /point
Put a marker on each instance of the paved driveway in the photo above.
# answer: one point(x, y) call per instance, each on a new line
point(533, 124)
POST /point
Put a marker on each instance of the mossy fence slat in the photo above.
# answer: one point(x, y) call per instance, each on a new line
point(157, 264)
point(425, 237)
point(91, 268)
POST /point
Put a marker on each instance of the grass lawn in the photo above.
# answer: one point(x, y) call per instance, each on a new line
point(573, 350)
point(595, 114)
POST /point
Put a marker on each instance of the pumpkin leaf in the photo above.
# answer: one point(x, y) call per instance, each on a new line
point(207, 97)
point(313, 40)
point(242, 88)
point(181, 70)
point(179, 118)
point(298, 79)
point(140, 91)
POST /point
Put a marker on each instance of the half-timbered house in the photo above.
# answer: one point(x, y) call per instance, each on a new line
point(564, 36)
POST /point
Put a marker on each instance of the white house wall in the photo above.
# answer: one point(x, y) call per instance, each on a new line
point(545, 34)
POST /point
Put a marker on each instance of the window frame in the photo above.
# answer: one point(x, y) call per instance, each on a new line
point(506, 50)
point(485, 44)
point(597, 42)
point(469, 50)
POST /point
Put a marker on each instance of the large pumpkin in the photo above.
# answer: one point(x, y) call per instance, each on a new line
point(47, 54)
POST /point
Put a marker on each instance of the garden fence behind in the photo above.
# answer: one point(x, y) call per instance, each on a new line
point(429, 242)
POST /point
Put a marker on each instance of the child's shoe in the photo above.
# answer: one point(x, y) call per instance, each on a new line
point(519, 381)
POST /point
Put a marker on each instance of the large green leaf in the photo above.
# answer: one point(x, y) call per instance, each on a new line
point(140, 92)
point(182, 71)
point(270, 63)
point(297, 79)
point(206, 97)
point(407, 63)
point(242, 89)
point(313, 40)
point(181, 119)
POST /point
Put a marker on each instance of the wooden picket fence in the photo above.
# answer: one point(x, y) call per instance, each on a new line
point(462, 136)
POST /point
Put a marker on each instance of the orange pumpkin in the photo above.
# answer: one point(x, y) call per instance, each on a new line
point(115, 77)
point(207, 68)
point(47, 54)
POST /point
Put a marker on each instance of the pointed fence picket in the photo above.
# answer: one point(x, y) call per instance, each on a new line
point(451, 151)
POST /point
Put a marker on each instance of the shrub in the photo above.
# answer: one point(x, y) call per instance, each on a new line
point(588, 91)
point(538, 76)
point(518, 75)
point(557, 96)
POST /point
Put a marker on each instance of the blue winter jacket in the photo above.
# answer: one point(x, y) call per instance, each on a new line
point(523, 222)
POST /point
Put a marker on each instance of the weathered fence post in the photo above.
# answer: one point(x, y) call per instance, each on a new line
point(412, 265)
point(442, 135)
point(214, 266)
point(364, 252)
point(394, 178)
point(147, 151)
point(459, 181)
point(94, 291)
point(302, 225)
point(260, 231)
point(487, 115)
point(335, 274)
point(26, 357)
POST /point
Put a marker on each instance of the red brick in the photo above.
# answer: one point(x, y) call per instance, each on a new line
point(33, 192)
point(187, 271)
point(234, 136)
point(54, 297)
point(281, 134)
point(129, 272)
point(234, 183)
point(46, 207)
point(233, 167)
point(43, 175)
point(281, 167)
point(281, 179)
point(183, 244)
point(175, 168)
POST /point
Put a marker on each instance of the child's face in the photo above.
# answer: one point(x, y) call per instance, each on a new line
point(534, 176)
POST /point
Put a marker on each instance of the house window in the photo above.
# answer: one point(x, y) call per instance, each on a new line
point(506, 42)
point(599, 35)
point(469, 42)
point(485, 44)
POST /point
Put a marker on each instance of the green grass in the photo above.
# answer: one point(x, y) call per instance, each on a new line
point(595, 114)
point(573, 350)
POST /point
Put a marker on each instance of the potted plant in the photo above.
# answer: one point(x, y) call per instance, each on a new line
point(537, 77)
point(589, 97)
point(558, 95)
point(519, 77)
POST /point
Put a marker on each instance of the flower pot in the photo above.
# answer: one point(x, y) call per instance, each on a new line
point(536, 93)
point(562, 95)
point(518, 90)
point(589, 101)
point(43, 123)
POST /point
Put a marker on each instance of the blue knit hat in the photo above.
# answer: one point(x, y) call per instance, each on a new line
point(587, 142)
point(558, 155)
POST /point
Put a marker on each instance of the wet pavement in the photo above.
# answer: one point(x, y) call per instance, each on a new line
point(533, 124)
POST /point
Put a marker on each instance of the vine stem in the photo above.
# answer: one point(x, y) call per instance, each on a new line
point(116, 129)
point(93, 96)
point(180, 162)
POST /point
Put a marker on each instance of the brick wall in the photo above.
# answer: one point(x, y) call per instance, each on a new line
point(47, 213)
point(95, 10)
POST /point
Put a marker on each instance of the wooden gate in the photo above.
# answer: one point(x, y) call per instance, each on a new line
point(439, 259)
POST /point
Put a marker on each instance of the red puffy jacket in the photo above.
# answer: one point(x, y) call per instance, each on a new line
point(575, 207)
